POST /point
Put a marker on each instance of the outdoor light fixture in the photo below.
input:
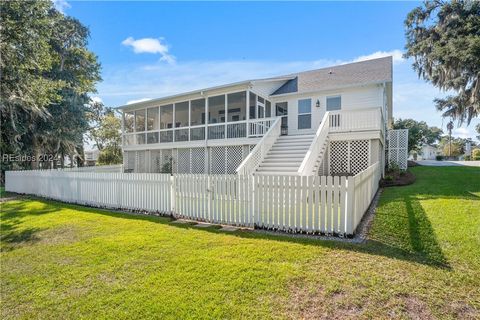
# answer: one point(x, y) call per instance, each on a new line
point(318, 103)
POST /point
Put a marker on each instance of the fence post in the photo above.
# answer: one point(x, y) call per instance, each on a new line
point(172, 194)
point(350, 205)
point(253, 178)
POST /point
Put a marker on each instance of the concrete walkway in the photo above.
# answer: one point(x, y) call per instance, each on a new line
point(446, 163)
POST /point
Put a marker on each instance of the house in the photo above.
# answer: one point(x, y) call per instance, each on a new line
point(91, 157)
point(330, 121)
point(427, 152)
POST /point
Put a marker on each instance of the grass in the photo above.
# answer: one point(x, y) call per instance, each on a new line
point(422, 260)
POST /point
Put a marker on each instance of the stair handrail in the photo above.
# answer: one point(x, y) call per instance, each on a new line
point(315, 148)
point(256, 156)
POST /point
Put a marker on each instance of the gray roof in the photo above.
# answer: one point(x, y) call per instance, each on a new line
point(352, 74)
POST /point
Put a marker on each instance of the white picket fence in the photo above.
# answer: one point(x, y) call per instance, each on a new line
point(307, 204)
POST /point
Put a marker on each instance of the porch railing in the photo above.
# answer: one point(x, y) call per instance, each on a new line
point(254, 158)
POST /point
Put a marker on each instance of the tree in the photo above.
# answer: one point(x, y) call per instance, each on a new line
point(443, 38)
point(477, 128)
point(107, 137)
point(419, 133)
point(46, 82)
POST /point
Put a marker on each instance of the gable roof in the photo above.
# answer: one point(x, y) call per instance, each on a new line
point(357, 73)
point(330, 78)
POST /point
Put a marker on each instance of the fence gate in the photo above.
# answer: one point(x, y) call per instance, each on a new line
point(222, 199)
point(398, 147)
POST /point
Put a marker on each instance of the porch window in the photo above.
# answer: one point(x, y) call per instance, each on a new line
point(129, 119)
point(197, 112)
point(181, 114)
point(305, 114)
point(268, 109)
point(237, 106)
point(253, 106)
point(153, 119)
point(140, 120)
point(334, 103)
point(166, 116)
point(216, 109)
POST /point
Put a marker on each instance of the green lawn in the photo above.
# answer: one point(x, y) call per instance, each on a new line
point(422, 260)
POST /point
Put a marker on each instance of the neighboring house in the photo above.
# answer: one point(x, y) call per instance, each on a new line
point(427, 152)
point(91, 157)
point(326, 121)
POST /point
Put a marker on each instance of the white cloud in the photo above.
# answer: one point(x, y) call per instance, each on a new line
point(61, 5)
point(462, 132)
point(396, 54)
point(138, 100)
point(96, 99)
point(150, 45)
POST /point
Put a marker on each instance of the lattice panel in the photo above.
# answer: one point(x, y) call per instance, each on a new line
point(217, 160)
point(129, 160)
point(183, 161)
point(398, 147)
point(197, 158)
point(140, 161)
point(234, 158)
point(339, 152)
point(359, 156)
point(166, 161)
point(155, 161)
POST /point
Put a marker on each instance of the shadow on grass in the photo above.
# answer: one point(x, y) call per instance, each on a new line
point(423, 247)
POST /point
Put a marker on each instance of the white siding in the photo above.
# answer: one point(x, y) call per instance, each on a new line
point(352, 99)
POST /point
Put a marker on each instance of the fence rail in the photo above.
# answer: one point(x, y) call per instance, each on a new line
point(306, 204)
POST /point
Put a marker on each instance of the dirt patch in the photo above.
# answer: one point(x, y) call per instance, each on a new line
point(317, 303)
point(404, 179)
point(416, 308)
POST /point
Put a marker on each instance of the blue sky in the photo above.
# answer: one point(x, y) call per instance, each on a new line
point(152, 49)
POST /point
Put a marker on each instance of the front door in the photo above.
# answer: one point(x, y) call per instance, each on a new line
point(281, 110)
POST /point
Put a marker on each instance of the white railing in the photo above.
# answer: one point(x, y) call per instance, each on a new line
point(300, 204)
point(311, 157)
point(355, 120)
point(259, 127)
point(256, 156)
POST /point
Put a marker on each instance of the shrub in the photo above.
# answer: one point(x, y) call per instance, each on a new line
point(476, 154)
point(439, 158)
point(388, 178)
point(467, 158)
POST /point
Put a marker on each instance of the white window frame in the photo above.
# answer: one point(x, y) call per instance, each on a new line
point(335, 96)
point(304, 113)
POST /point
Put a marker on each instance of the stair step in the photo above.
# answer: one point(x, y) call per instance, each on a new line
point(280, 164)
point(278, 169)
point(275, 173)
point(295, 147)
point(280, 159)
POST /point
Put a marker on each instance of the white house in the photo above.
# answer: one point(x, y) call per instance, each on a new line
point(330, 121)
point(427, 152)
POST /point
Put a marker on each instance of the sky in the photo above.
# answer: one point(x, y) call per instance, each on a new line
point(154, 49)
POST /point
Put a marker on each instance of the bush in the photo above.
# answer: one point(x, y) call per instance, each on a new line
point(439, 158)
point(476, 154)
point(467, 158)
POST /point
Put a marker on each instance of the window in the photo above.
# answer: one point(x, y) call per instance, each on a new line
point(166, 117)
point(268, 109)
point(305, 114)
point(334, 103)
point(153, 118)
point(181, 114)
point(140, 120)
point(237, 106)
point(216, 108)
point(252, 106)
point(141, 138)
point(281, 109)
point(152, 137)
point(129, 119)
point(197, 112)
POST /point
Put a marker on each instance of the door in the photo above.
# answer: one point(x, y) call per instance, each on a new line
point(281, 110)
